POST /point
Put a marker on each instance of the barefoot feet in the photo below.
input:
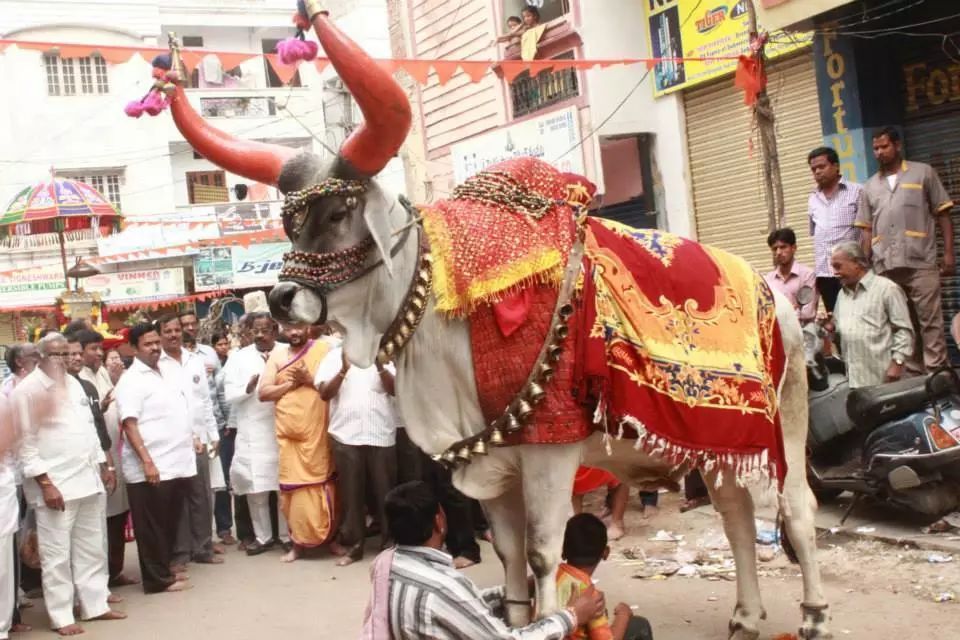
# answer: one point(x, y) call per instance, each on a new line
point(70, 630)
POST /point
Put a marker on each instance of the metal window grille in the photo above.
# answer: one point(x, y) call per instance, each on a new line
point(69, 77)
point(113, 190)
point(86, 74)
point(100, 69)
point(530, 94)
point(53, 74)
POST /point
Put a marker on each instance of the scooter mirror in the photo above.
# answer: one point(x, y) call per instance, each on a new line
point(805, 295)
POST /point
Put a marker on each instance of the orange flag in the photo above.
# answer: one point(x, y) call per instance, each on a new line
point(116, 55)
point(284, 72)
point(445, 70)
point(513, 68)
point(475, 69)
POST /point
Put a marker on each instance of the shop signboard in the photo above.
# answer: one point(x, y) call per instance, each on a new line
point(697, 29)
point(42, 285)
point(238, 267)
point(554, 137)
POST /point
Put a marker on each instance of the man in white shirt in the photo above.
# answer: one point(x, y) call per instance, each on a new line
point(118, 508)
point(64, 475)
point(254, 472)
point(363, 426)
point(9, 522)
point(194, 538)
point(158, 457)
point(191, 326)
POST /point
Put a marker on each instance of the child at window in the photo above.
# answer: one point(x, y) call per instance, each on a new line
point(514, 29)
point(584, 546)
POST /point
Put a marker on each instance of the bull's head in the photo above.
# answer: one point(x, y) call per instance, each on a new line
point(335, 214)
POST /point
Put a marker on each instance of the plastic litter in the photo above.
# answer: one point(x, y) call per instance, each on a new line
point(666, 536)
point(939, 558)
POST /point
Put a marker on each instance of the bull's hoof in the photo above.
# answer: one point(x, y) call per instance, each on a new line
point(815, 623)
point(739, 632)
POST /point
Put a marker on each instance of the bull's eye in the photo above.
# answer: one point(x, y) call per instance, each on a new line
point(339, 215)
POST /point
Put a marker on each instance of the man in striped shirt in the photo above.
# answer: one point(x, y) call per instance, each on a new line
point(427, 598)
point(872, 319)
point(832, 209)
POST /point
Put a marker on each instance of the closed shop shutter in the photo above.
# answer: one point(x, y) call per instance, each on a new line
point(728, 193)
point(934, 138)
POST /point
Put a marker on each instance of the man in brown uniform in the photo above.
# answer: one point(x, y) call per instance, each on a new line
point(904, 199)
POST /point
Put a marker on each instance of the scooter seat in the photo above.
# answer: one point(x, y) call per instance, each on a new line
point(869, 407)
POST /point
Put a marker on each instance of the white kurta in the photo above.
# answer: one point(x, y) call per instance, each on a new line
point(255, 466)
point(117, 501)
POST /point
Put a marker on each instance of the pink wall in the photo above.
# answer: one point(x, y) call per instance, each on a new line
point(621, 170)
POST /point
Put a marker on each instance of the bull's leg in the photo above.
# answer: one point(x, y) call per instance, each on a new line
point(735, 506)
point(547, 486)
point(798, 504)
point(508, 525)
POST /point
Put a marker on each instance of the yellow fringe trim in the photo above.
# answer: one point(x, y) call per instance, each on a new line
point(542, 265)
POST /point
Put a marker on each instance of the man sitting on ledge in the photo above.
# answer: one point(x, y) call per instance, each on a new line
point(418, 594)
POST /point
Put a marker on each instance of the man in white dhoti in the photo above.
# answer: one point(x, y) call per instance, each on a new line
point(118, 509)
point(64, 476)
point(194, 537)
point(255, 469)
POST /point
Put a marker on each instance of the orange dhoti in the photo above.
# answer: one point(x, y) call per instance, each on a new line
point(307, 492)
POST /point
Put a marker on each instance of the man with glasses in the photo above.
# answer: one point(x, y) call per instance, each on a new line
point(64, 471)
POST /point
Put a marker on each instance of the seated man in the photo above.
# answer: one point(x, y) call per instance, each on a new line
point(436, 601)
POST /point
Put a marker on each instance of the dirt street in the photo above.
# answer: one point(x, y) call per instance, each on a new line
point(877, 591)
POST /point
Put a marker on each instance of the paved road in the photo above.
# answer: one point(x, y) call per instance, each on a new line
point(260, 598)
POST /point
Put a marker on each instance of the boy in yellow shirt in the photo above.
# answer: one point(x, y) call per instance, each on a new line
point(584, 547)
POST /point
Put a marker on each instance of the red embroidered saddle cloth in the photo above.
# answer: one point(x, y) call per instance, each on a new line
point(681, 348)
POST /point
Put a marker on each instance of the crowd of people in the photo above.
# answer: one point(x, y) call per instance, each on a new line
point(191, 445)
point(876, 265)
point(266, 439)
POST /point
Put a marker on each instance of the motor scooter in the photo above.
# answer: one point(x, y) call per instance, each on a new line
point(897, 442)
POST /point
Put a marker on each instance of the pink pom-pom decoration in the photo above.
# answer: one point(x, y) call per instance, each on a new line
point(154, 103)
point(134, 109)
point(293, 50)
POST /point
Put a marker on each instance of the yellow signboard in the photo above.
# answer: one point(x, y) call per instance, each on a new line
point(703, 29)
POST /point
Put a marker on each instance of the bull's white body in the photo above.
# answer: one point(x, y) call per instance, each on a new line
point(526, 490)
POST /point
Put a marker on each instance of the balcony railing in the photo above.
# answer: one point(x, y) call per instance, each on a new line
point(531, 94)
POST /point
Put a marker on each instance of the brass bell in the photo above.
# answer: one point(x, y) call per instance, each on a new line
point(480, 448)
point(389, 348)
point(382, 357)
point(417, 303)
point(545, 372)
point(420, 291)
point(405, 331)
point(566, 311)
point(427, 257)
point(496, 438)
point(536, 393)
point(424, 275)
point(554, 353)
point(437, 458)
point(410, 318)
point(464, 454)
point(449, 457)
point(524, 411)
point(562, 331)
point(512, 423)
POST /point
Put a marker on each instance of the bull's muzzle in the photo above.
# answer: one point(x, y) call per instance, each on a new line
point(293, 302)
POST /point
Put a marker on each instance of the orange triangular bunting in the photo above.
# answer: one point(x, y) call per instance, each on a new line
point(475, 69)
point(191, 59)
point(419, 70)
point(231, 60)
point(445, 70)
point(74, 51)
point(321, 64)
point(116, 55)
point(284, 72)
point(513, 68)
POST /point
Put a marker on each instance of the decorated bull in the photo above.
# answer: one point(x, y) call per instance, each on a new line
point(529, 337)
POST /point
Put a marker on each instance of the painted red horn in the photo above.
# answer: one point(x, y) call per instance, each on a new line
point(252, 160)
point(386, 110)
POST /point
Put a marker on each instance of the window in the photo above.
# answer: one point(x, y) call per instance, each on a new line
point(62, 75)
point(108, 184)
point(549, 9)
point(273, 80)
point(207, 186)
point(549, 87)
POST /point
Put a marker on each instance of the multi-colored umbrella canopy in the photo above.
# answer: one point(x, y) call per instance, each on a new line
point(71, 201)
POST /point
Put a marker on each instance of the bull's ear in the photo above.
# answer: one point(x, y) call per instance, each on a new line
point(376, 213)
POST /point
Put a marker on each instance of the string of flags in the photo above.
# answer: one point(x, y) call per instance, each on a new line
point(443, 69)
